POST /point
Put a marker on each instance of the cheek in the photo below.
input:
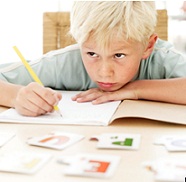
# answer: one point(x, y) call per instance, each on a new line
point(86, 64)
point(128, 71)
point(133, 68)
point(90, 68)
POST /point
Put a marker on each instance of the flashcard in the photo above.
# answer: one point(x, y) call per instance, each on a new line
point(5, 137)
point(19, 162)
point(118, 141)
point(170, 170)
point(91, 165)
point(173, 142)
point(55, 140)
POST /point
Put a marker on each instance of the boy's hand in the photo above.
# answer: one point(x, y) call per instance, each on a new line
point(35, 100)
point(97, 96)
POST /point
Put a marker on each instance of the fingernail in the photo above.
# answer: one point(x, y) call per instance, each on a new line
point(79, 99)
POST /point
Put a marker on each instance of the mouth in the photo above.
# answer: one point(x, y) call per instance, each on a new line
point(105, 86)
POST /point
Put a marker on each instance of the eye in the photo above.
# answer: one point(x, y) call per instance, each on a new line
point(119, 55)
point(92, 54)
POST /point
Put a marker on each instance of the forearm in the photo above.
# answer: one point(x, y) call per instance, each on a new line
point(8, 93)
point(166, 90)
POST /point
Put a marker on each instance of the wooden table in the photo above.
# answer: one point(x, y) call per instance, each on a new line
point(130, 168)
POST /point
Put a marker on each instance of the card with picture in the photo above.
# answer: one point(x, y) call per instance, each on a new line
point(118, 141)
point(55, 140)
point(90, 165)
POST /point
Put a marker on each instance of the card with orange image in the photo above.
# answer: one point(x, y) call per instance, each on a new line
point(55, 140)
point(90, 165)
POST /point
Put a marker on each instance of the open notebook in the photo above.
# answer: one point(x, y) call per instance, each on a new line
point(102, 114)
point(73, 113)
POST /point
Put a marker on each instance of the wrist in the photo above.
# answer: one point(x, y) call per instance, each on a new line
point(137, 87)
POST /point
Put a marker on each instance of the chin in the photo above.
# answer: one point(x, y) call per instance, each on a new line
point(109, 89)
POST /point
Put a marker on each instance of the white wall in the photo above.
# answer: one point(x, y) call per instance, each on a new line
point(177, 25)
point(21, 25)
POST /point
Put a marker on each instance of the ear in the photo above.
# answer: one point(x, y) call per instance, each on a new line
point(150, 46)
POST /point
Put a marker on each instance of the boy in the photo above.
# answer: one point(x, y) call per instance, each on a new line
point(118, 56)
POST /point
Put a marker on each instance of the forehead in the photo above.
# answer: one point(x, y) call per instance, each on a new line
point(113, 45)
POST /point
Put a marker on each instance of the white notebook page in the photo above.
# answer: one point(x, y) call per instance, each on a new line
point(73, 113)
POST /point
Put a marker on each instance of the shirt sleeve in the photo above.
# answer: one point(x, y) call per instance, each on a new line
point(164, 63)
point(61, 69)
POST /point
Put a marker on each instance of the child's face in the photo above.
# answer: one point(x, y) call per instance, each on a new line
point(114, 67)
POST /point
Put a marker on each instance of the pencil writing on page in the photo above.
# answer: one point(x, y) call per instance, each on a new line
point(32, 73)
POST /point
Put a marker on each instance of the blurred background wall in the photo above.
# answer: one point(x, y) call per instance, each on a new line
point(21, 24)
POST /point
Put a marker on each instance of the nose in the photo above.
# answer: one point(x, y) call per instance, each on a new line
point(106, 69)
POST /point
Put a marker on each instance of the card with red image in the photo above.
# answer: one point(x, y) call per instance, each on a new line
point(90, 165)
point(55, 140)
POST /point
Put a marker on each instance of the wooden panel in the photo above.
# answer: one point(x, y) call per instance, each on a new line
point(162, 24)
point(55, 30)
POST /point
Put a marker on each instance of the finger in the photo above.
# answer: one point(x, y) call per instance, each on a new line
point(48, 95)
point(34, 102)
point(38, 105)
point(27, 108)
point(31, 101)
point(106, 97)
point(80, 95)
point(25, 112)
point(84, 94)
point(89, 97)
point(35, 99)
point(58, 97)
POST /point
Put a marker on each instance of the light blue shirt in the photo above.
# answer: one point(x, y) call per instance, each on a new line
point(63, 69)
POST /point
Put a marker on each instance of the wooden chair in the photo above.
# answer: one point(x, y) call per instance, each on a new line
point(56, 27)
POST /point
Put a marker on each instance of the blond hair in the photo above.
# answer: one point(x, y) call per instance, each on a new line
point(105, 20)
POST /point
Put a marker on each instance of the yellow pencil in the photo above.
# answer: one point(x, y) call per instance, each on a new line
point(32, 73)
